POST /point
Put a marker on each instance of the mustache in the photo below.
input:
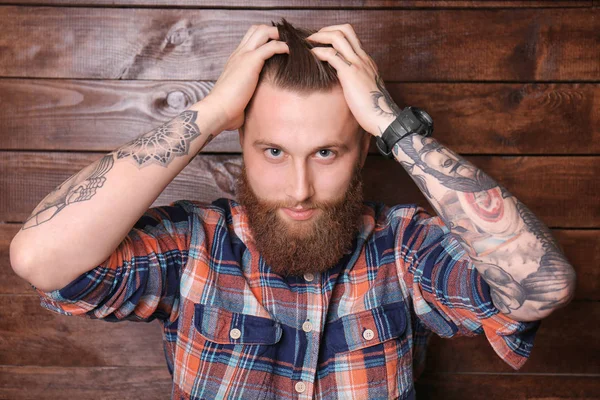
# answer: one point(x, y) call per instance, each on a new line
point(273, 205)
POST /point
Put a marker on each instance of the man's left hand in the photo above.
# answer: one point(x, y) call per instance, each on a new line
point(367, 98)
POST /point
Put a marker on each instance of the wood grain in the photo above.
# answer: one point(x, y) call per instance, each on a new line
point(32, 335)
point(490, 118)
point(420, 45)
point(566, 341)
point(153, 383)
point(561, 191)
point(507, 387)
point(315, 4)
point(106, 383)
point(501, 78)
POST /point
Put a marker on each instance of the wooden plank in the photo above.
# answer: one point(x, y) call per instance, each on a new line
point(420, 45)
point(582, 248)
point(20, 383)
point(32, 335)
point(491, 118)
point(115, 383)
point(562, 191)
point(554, 188)
point(33, 175)
point(94, 115)
point(283, 4)
point(566, 342)
point(510, 386)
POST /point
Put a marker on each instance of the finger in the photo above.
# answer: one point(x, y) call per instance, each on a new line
point(351, 36)
point(271, 48)
point(354, 41)
point(330, 55)
point(338, 40)
point(261, 36)
point(247, 35)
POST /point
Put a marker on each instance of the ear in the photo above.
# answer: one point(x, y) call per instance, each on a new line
point(365, 142)
point(241, 135)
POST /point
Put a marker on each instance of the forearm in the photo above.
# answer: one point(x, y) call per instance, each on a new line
point(80, 223)
point(511, 248)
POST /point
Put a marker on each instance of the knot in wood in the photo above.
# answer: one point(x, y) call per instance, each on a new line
point(176, 100)
point(178, 36)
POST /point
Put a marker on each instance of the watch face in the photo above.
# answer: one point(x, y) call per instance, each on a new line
point(423, 117)
point(426, 127)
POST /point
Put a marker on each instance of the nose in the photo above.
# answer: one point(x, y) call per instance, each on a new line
point(300, 186)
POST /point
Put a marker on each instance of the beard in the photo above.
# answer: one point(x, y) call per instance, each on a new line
point(298, 247)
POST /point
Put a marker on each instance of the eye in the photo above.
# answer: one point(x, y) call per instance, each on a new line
point(273, 152)
point(325, 153)
point(447, 163)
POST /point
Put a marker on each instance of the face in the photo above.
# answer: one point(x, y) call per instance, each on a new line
point(302, 156)
point(300, 149)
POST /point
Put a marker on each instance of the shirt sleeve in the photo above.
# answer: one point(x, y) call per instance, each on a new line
point(449, 295)
point(140, 280)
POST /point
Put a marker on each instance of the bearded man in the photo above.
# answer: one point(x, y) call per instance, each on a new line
point(299, 289)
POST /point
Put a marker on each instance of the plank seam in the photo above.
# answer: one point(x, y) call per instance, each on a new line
point(470, 82)
point(229, 153)
point(275, 8)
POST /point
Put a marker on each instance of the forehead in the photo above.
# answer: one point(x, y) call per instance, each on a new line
point(296, 119)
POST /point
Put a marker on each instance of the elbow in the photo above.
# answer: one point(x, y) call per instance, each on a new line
point(18, 260)
point(567, 293)
point(534, 310)
point(23, 265)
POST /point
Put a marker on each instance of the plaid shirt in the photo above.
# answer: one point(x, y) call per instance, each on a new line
point(233, 329)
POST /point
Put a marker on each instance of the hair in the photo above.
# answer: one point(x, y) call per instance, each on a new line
point(299, 70)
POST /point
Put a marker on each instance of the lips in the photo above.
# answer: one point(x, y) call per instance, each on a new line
point(299, 215)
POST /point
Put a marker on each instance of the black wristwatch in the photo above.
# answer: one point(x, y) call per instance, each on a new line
point(410, 120)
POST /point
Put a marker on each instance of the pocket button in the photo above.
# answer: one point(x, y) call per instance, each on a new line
point(307, 327)
point(235, 333)
point(300, 387)
point(368, 334)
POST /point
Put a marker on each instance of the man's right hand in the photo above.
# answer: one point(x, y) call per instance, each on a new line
point(237, 83)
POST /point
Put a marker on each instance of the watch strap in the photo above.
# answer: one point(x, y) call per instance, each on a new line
point(410, 120)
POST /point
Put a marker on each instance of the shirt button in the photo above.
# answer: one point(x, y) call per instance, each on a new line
point(300, 387)
point(307, 326)
point(368, 334)
point(308, 277)
point(235, 333)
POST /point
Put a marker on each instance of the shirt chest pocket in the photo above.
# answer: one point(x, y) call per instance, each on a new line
point(222, 326)
point(371, 347)
point(228, 350)
point(366, 328)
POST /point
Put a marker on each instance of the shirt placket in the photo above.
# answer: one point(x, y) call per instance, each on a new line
point(312, 327)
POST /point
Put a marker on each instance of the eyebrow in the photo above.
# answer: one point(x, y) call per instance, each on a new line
point(339, 145)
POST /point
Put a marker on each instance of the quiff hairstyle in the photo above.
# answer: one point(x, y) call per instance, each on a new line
point(299, 71)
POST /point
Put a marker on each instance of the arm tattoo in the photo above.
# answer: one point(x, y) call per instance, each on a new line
point(554, 274)
point(511, 248)
point(383, 94)
point(162, 144)
point(159, 146)
point(80, 187)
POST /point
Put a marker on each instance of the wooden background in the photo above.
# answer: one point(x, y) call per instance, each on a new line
point(512, 85)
